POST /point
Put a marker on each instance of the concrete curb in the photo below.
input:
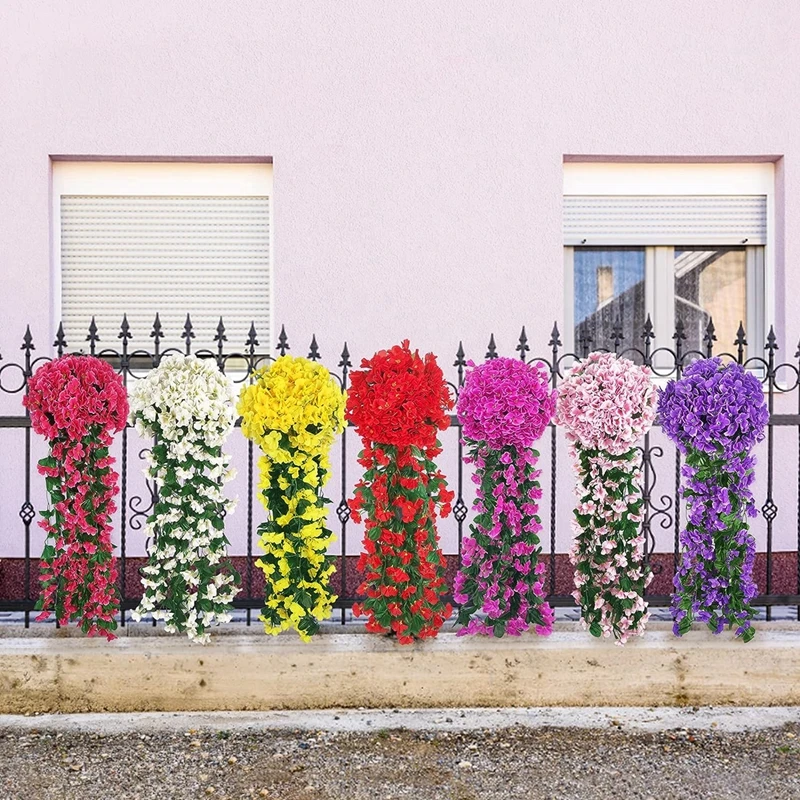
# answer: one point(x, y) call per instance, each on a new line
point(641, 720)
point(259, 673)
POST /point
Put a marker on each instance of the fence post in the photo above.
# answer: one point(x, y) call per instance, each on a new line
point(343, 510)
point(27, 513)
point(554, 344)
point(769, 509)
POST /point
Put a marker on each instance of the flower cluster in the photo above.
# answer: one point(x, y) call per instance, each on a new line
point(606, 404)
point(718, 409)
point(78, 403)
point(399, 398)
point(505, 403)
point(186, 405)
point(398, 402)
point(293, 410)
point(716, 414)
point(504, 407)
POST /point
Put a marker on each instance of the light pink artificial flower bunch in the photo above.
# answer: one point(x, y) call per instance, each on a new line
point(606, 405)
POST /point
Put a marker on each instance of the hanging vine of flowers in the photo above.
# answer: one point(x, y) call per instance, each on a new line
point(78, 403)
point(398, 403)
point(715, 414)
point(606, 405)
point(504, 406)
point(186, 405)
point(293, 411)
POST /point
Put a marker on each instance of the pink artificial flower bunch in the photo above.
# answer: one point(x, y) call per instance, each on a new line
point(504, 407)
point(606, 404)
point(78, 403)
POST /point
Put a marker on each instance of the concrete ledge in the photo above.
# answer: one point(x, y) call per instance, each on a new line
point(721, 719)
point(255, 672)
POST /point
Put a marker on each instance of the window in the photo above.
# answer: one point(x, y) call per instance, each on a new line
point(675, 242)
point(609, 288)
point(172, 238)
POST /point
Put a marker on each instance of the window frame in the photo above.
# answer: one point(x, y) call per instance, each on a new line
point(613, 178)
point(157, 177)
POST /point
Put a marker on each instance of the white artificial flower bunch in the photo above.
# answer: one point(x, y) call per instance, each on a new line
point(186, 405)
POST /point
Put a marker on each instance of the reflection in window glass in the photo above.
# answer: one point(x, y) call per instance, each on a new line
point(710, 282)
point(609, 285)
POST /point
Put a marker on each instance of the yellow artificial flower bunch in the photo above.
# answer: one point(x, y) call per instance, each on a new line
point(293, 411)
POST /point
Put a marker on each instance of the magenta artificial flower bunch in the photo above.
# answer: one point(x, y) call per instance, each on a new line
point(504, 406)
point(606, 405)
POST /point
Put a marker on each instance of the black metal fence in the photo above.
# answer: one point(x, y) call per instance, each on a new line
point(19, 586)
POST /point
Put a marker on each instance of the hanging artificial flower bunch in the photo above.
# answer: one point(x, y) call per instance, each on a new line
point(293, 411)
point(78, 403)
point(186, 405)
point(504, 406)
point(606, 405)
point(398, 403)
point(715, 414)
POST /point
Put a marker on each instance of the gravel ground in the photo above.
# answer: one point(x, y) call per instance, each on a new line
point(517, 762)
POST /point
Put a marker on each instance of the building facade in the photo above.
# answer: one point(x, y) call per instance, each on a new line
point(438, 172)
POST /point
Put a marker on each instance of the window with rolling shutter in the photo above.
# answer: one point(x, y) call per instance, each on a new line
point(173, 239)
point(689, 243)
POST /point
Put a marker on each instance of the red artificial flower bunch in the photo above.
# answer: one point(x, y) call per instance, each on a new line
point(398, 403)
point(78, 403)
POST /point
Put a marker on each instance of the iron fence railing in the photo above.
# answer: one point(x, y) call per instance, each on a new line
point(19, 586)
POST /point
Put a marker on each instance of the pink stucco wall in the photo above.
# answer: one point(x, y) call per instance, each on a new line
point(417, 146)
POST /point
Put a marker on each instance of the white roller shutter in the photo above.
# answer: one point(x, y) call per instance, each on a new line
point(665, 220)
point(172, 239)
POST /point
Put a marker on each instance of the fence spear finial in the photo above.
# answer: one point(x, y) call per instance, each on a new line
point(616, 333)
point(740, 342)
point(156, 334)
point(555, 337)
point(61, 342)
point(460, 362)
point(492, 351)
point(772, 340)
point(188, 334)
point(252, 339)
point(92, 338)
point(709, 337)
point(345, 361)
point(283, 341)
point(523, 347)
point(124, 331)
point(313, 352)
point(220, 336)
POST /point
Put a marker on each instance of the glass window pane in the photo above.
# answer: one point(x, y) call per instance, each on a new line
point(710, 282)
point(609, 285)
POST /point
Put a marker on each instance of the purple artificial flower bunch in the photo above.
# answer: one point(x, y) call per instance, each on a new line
point(606, 405)
point(504, 406)
point(715, 414)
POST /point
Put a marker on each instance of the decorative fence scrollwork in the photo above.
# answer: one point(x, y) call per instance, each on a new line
point(661, 482)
